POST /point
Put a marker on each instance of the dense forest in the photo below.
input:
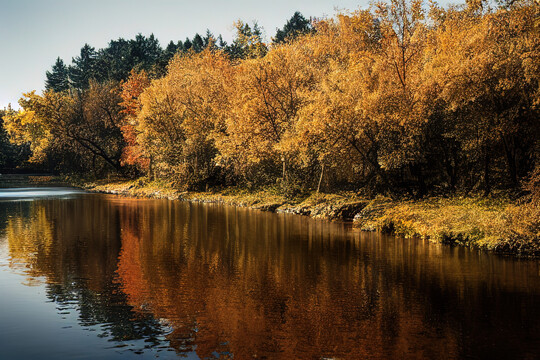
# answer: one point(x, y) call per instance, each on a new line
point(403, 97)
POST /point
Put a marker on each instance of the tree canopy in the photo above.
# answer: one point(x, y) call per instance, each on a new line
point(402, 96)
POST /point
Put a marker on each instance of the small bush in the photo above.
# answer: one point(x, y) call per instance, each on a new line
point(522, 234)
point(533, 185)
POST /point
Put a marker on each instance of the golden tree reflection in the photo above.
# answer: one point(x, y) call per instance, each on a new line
point(266, 290)
point(233, 282)
point(29, 240)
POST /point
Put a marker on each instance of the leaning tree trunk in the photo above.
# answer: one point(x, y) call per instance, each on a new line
point(320, 178)
point(284, 174)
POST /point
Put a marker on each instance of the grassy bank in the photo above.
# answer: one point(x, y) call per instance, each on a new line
point(488, 223)
point(496, 223)
point(341, 206)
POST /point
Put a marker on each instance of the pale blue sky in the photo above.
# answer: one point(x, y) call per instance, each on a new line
point(33, 33)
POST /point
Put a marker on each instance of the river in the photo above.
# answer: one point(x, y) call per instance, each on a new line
point(93, 276)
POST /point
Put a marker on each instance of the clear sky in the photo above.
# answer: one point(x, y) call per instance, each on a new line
point(33, 33)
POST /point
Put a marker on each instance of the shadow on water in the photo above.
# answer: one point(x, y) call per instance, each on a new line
point(220, 282)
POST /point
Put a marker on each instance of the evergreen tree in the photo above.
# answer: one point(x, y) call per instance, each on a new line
point(82, 69)
point(57, 79)
point(145, 51)
point(170, 51)
point(198, 43)
point(209, 39)
point(222, 44)
point(187, 44)
point(295, 26)
point(117, 59)
point(180, 46)
point(166, 56)
point(248, 42)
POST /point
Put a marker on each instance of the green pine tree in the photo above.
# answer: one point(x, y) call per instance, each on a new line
point(57, 79)
point(295, 26)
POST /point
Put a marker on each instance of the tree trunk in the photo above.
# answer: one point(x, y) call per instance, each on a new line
point(320, 178)
point(284, 175)
point(450, 162)
point(487, 180)
point(94, 165)
point(416, 171)
point(510, 161)
point(151, 168)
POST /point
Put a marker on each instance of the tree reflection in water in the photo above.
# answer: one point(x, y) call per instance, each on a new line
point(224, 282)
point(74, 249)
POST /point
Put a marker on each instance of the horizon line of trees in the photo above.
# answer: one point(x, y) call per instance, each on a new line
point(120, 57)
point(399, 97)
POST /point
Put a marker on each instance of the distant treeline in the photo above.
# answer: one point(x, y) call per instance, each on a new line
point(400, 97)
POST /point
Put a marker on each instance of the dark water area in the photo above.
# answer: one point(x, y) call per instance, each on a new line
point(91, 276)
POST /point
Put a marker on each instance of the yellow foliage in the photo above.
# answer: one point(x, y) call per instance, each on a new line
point(26, 126)
point(180, 114)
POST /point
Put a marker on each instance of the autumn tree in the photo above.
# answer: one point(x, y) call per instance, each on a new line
point(482, 66)
point(248, 42)
point(337, 130)
point(265, 99)
point(97, 124)
point(11, 155)
point(179, 114)
point(80, 130)
point(25, 126)
point(133, 153)
point(398, 103)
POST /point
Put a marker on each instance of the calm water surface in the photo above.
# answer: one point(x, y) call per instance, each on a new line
point(89, 276)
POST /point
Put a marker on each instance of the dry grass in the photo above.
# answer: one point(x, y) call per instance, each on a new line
point(492, 224)
point(466, 221)
point(135, 188)
point(522, 235)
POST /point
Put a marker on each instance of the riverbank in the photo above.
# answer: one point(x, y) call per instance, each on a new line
point(495, 224)
point(23, 180)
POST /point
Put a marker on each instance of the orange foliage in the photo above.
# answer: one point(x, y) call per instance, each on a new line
point(389, 97)
point(133, 153)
